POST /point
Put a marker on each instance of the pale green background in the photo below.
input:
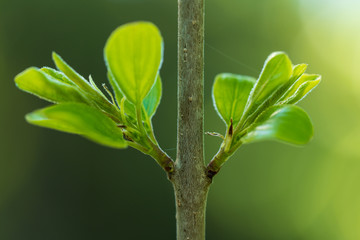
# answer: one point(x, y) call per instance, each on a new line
point(59, 186)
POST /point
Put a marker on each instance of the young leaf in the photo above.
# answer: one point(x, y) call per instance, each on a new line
point(286, 123)
point(45, 86)
point(303, 86)
point(133, 54)
point(57, 75)
point(276, 71)
point(89, 89)
point(71, 73)
point(298, 70)
point(150, 103)
point(230, 93)
point(80, 119)
point(152, 100)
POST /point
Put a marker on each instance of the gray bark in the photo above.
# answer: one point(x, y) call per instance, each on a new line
point(189, 178)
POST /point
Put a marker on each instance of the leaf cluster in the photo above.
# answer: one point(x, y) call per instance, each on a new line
point(133, 56)
point(263, 108)
point(252, 109)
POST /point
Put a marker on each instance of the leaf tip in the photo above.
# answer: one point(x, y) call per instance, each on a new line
point(318, 78)
point(277, 54)
point(280, 56)
point(55, 56)
point(22, 77)
point(34, 117)
point(58, 60)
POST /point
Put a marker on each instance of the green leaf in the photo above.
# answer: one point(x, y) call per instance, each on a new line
point(276, 71)
point(133, 54)
point(286, 123)
point(79, 119)
point(71, 73)
point(298, 70)
point(57, 75)
point(230, 94)
point(52, 87)
point(89, 88)
point(302, 87)
point(152, 100)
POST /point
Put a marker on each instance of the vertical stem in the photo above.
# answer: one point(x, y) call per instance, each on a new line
point(190, 181)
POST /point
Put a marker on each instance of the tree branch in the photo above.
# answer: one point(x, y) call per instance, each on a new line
point(190, 181)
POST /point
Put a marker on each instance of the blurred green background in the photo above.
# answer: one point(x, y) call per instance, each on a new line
point(59, 186)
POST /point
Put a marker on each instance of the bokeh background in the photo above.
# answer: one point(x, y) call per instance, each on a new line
point(59, 186)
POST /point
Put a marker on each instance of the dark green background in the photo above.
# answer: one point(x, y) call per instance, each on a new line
point(59, 186)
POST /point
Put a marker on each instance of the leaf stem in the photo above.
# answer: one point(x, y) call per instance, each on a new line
point(220, 158)
point(162, 158)
point(138, 146)
point(157, 154)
